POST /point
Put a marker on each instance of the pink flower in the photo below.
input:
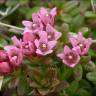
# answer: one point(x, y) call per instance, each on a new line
point(44, 46)
point(34, 26)
point(28, 36)
point(15, 56)
point(4, 68)
point(69, 57)
point(27, 44)
point(52, 33)
point(4, 64)
point(81, 44)
point(3, 55)
point(47, 17)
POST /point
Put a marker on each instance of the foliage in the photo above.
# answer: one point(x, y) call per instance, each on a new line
point(48, 76)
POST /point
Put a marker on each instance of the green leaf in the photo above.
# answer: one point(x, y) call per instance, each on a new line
point(82, 92)
point(91, 76)
point(12, 2)
point(66, 18)
point(70, 5)
point(72, 88)
point(92, 53)
point(84, 5)
point(3, 42)
point(23, 87)
point(77, 23)
point(78, 71)
point(90, 14)
point(84, 84)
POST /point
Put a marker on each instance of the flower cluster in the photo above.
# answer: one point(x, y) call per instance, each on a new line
point(80, 45)
point(10, 60)
point(43, 36)
point(39, 38)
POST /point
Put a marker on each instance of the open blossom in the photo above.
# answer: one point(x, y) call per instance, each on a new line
point(26, 44)
point(44, 46)
point(4, 64)
point(81, 44)
point(47, 17)
point(69, 57)
point(33, 26)
point(15, 56)
point(52, 33)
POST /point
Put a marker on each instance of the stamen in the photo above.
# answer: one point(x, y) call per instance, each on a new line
point(70, 57)
point(26, 46)
point(81, 45)
point(33, 24)
point(14, 57)
point(47, 14)
point(49, 36)
point(44, 45)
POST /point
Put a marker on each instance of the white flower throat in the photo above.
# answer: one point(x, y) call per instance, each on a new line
point(70, 57)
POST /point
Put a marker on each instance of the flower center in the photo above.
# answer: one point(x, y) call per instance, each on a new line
point(81, 45)
point(49, 36)
point(26, 46)
point(14, 57)
point(44, 46)
point(70, 57)
point(47, 15)
point(33, 25)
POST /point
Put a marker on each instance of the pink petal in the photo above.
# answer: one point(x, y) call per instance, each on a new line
point(43, 11)
point(43, 37)
point(8, 47)
point(35, 17)
point(15, 40)
point(51, 44)
point(27, 23)
point(66, 49)
point(80, 37)
point(28, 36)
point(49, 28)
point(4, 67)
point(60, 55)
point(36, 43)
point(48, 52)
point(53, 12)
point(58, 35)
point(73, 41)
point(26, 29)
point(39, 52)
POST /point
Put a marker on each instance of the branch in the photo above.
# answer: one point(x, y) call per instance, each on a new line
point(11, 11)
point(10, 28)
point(92, 4)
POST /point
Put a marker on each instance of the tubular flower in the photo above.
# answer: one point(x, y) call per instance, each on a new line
point(69, 57)
point(44, 46)
point(52, 33)
point(15, 56)
point(4, 64)
point(47, 17)
point(81, 44)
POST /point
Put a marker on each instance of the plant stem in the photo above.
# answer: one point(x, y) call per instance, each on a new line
point(92, 4)
point(14, 9)
point(10, 28)
point(93, 41)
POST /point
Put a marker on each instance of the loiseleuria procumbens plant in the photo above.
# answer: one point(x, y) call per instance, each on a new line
point(36, 57)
